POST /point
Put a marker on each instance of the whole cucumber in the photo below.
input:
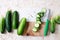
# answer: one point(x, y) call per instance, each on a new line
point(52, 27)
point(9, 21)
point(15, 20)
point(2, 25)
point(22, 26)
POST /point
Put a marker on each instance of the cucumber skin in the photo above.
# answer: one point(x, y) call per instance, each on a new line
point(52, 27)
point(9, 21)
point(21, 27)
point(15, 20)
point(57, 19)
point(2, 25)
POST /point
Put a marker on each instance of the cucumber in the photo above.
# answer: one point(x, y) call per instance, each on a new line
point(15, 20)
point(52, 27)
point(38, 19)
point(21, 27)
point(36, 25)
point(9, 21)
point(39, 22)
point(2, 25)
point(34, 29)
point(57, 19)
point(41, 14)
point(43, 10)
point(38, 16)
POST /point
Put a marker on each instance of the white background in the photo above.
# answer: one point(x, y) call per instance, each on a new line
point(27, 8)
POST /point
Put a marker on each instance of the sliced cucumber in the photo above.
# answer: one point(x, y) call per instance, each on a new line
point(38, 19)
point(39, 22)
point(36, 25)
point(41, 14)
point(43, 10)
point(34, 29)
point(38, 16)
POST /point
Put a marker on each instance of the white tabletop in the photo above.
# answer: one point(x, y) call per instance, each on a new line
point(27, 8)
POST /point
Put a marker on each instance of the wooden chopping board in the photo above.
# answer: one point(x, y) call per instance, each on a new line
point(28, 30)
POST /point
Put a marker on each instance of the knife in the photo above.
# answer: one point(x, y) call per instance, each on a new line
point(47, 22)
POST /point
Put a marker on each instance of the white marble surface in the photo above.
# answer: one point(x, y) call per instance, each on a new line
point(27, 8)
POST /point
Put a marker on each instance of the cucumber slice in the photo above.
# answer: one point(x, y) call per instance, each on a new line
point(38, 16)
point(38, 19)
point(39, 22)
point(43, 10)
point(34, 29)
point(42, 14)
point(36, 25)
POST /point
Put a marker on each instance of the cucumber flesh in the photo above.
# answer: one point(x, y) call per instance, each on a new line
point(34, 29)
point(38, 16)
point(39, 22)
point(43, 10)
point(36, 25)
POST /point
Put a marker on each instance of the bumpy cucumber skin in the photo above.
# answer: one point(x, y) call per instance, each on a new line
point(15, 20)
point(52, 27)
point(9, 21)
point(21, 27)
point(2, 25)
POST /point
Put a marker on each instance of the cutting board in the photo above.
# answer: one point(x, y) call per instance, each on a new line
point(28, 30)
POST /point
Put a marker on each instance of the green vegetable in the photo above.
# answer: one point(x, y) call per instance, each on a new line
point(36, 25)
point(9, 21)
point(52, 27)
point(41, 14)
point(38, 19)
point(57, 19)
point(2, 25)
point(35, 29)
point(15, 20)
point(39, 22)
point(22, 26)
